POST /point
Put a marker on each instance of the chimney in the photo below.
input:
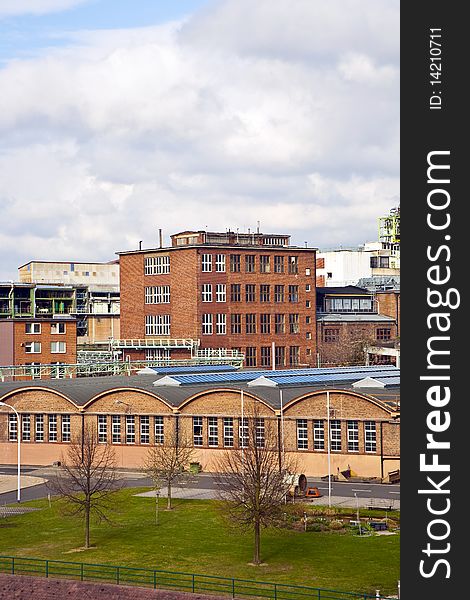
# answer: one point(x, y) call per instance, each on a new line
point(140, 245)
point(160, 238)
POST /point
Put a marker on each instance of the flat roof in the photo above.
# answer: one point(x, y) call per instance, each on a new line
point(218, 246)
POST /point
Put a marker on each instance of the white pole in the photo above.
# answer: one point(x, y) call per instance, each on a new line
point(282, 422)
point(329, 444)
point(243, 426)
point(273, 357)
point(18, 435)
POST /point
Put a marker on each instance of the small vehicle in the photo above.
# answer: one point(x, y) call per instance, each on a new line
point(313, 492)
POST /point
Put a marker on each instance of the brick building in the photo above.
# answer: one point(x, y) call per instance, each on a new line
point(133, 413)
point(227, 290)
point(348, 321)
point(41, 341)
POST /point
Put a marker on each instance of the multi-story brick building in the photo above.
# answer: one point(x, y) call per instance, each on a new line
point(35, 342)
point(249, 292)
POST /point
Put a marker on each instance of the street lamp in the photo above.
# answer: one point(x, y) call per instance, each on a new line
point(18, 435)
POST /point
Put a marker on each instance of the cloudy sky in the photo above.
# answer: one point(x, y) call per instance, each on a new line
point(118, 118)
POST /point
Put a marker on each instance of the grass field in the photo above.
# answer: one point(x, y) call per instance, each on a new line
point(195, 538)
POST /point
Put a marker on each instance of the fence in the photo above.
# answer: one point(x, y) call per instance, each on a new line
point(168, 580)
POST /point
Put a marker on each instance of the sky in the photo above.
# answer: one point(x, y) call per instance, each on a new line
point(120, 118)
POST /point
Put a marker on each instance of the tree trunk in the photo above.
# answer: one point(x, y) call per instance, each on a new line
point(256, 554)
point(168, 506)
point(87, 525)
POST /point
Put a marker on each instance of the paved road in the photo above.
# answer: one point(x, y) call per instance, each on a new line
point(203, 486)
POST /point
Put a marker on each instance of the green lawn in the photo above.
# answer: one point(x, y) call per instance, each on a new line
point(194, 538)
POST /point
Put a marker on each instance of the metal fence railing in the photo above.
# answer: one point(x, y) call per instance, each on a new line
point(160, 579)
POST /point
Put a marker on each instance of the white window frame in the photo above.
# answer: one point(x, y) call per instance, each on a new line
point(213, 431)
point(53, 434)
point(159, 430)
point(32, 347)
point(25, 428)
point(156, 265)
point(335, 435)
point(56, 327)
point(159, 294)
point(318, 435)
point(370, 436)
point(207, 292)
point(157, 324)
point(58, 347)
point(130, 429)
point(144, 429)
point(353, 436)
point(116, 429)
point(302, 434)
point(12, 428)
point(198, 434)
point(207, 324)
point(39, 428)
point(206, 264)
point(66, 432)
point(220, 263)
point(243, 432)
point(260, 432)
point(102, 429)
point(221, 292)
point(34, 328)
point(221, 324)
point(228, 432)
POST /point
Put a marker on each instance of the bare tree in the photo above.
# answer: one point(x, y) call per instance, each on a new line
point(167, 464)
point(86, 478)
point(254, 479)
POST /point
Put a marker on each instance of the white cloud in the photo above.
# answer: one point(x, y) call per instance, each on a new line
point(289, 117)
point(10, 8)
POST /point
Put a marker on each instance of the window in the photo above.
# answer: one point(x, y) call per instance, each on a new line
point(213, 431)
point(32, 327)
point(157, 265)
point(12, 428)
point(330, 335)
point(130, 429)
point(58, 370)
point(307, 304)
point(250, 356)
point(335, 434)
point(159, 430)
point(265, 323)
point(66, 428)
point(249, 263)
point(264, 266)
point(159, 294)
point(307, 272)
point(308, 335)
point(265, 356)
point(207, 292)
point(302, 434)
point(379, 262)
point(250, 293)
point(52, 428)
point(221, 324)
point(103, 429)
point(235, 263)
point(294, 356)
point(58, 347)
point(280, 356)
point(220, 263)
point(32, 348)
point(207, 326)
point(293, 293)
point(25, 428)
point(250, 325)
point(308, 288)
point(259, 432)
point(116, 423)
point(235, 292)
point(279, 264)
point(294, 323)
point(384, 334)
point(34, 370)
point(235, 323)
point(57, 328)
point(370, 436)
point(228, 432)
point(206, 263)
point(293, 265)
point(353, 436)
point(279, 323)
point(308, 320)
point(318, 435)
point(39, 428)
point(243, 432)
point(264, 293)
point(157, 325)
point(221, 292)
point(145, 429)
point(278, 293)
point(197, 431)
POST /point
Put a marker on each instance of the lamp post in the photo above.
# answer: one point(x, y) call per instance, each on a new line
point(18, 436)
point(357, 513)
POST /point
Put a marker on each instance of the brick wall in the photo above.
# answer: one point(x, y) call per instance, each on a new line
point(45, 337)
point(389, 305)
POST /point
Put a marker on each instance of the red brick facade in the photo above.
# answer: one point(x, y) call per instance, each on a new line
point(295, 334)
